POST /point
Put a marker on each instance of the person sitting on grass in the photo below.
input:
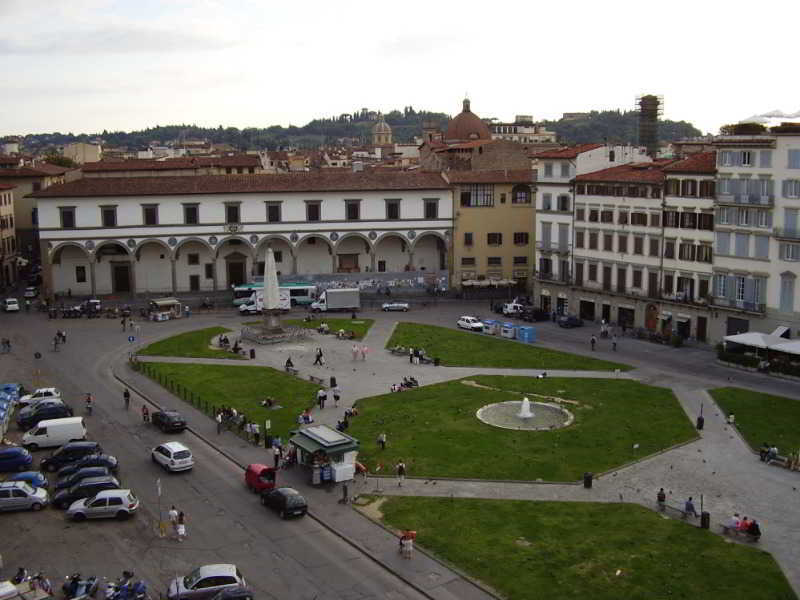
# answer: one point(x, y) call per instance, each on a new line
point(744, 525)
point(289, 364)
point(754, 529)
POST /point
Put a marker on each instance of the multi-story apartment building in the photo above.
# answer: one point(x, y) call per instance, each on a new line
point(757, 229)
point(493, 226)
point(173, 234)
point(555, 173)
point(523, 130)
point(169, 167)
point(8, 237)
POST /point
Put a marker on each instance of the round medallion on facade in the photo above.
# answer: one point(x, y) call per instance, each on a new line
point(213, 240)
point(412, 235)
point(90, 245)
point(334, 236)
point(131, 243)
point(294, 237)
point(372, 235)
point(447, 233)
point(253, 239)
point(172, 241)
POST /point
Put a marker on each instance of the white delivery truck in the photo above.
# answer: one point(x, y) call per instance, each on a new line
point(55, 432)
point(340, 299)
point(256, 302)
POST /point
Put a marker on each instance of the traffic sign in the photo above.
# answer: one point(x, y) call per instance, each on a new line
point(131, 339)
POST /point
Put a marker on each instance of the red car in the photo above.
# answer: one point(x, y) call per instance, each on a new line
point(258, 478)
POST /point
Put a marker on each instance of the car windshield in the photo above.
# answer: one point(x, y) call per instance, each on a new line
point(25, 487)
point(192, 578)
point(182, 454)
point(294, 500)
point(131, 498)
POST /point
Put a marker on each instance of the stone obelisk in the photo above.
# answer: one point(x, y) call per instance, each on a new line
point(272, 323)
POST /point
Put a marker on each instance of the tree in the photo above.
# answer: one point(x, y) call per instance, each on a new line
point(61, 161)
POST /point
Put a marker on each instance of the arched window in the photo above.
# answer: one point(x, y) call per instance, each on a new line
point(521, 194)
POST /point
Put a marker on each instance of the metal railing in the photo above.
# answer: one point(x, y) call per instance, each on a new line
point(788, 234)
point(740, 304)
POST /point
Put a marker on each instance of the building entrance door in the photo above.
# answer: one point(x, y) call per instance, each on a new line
point(121, 277)
point(194, 283)
point(651, 317)
point(606, 313)
point(236, 274)
point(348, 263)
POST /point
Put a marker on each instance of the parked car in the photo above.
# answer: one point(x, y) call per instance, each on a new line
point(15, 459)
point(31, 292)
point(471, 323)
point(42, 413)
point(55, 432)
point(258, 477)
point(401, 306)
point(168, 421)
point(512, 309)
point(569, 321)
point(234, 593)
point(173, 456)
point(84, 489)
point(534, 314)
point(68, 481)
point(31, 408)
point(18, 495)
point(286, 501)
point(11, 305)
point(48, 393)
point(32, 478)
point(108, 504)
point(205, 582)
point(69, 453)
point(93, 460)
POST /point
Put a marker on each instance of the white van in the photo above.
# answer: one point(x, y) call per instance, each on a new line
point(55, 432)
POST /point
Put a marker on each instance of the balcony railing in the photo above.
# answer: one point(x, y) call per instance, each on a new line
point(545, 246)
point(786, 234)
point(750, 199)
point(740, 304)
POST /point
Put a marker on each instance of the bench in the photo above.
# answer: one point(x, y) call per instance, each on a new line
point(728, 530)
point(664, 507)
point(778, 461)
point(399, 351)
point(425, 360)
point(316, 380)
point(291, 370)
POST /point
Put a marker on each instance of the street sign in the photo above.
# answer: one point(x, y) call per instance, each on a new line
point(267, 425)
point(131, 339)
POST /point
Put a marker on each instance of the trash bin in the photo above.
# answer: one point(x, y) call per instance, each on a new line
point(437, 361)
point(587, 480)
point(316, 475)
point(705, 520)
point(252, 353)
point(701, 421)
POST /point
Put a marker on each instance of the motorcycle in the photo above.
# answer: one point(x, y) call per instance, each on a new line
point(121, 588)
point(76, 588)
point(20, 576)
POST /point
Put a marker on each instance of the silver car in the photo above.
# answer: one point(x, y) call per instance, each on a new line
point(108, 504)
point(205, 582)
point(18, 495)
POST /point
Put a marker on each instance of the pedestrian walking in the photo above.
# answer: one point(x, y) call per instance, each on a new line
point(554, 316)
point(406, 545)
point(27, 306)
point(145, 414)
point(364, 351)
point(56, 342)
point(382, 440)
point(410, 355)
point(354, 350)
point(593, 342)
point(254, 427)
point(181, 527)
point(219, 422)
point(689, 509)
point(123, 322)
point(321, 397)
point(173, 519)
point(401, 472)
point(320, 359)
point(661, 498)
point(614, 342)
point(63, 335)
point(276, 456)
point(126, 396)
point(337, 392)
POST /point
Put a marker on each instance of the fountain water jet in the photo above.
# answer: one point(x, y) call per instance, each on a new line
point(525, 411)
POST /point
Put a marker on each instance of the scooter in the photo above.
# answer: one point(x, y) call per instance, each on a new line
point(20, 576)
point(119, 589)
point(76, 588)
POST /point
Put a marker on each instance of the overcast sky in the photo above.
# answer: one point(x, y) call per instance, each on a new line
point(89, 65)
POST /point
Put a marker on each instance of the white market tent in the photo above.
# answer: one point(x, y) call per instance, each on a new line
point(754, 339)
point(790, 347)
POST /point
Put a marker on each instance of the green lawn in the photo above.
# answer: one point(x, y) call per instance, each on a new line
point(466, 349)
point(359, 326)
point(762, 417)
point(435, 431)
point(568, 550)
point(192, 344)
point(244, 387)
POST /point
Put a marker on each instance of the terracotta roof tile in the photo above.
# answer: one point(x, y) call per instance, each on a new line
point(631, 173)
point(23, 172)
point(701, 163)
point(494, 176)
point(9, 160)
point(571, 152)
point(6, 186)
point(322, 181)
point(51, 169)
point(182, 163)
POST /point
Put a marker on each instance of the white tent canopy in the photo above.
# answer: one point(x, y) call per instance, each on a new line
point(757, 340)
point(792, 347)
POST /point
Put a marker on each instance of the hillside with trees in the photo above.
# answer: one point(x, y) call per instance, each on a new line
point(615, 126)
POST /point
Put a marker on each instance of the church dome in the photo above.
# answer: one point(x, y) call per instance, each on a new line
point(467, 126)
point(381, 126)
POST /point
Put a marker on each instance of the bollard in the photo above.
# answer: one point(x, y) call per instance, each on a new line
point(587, 480)
point(705, 520)
point(701, 421)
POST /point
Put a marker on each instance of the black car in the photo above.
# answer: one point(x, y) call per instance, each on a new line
point(82, 473)
point(69, 453)
point(93, 460)
point(534, 314)
point(569, 321)
point(234, 593)
point(287, 501)
point(168, 421)
point(85, 488)
point(42, 413)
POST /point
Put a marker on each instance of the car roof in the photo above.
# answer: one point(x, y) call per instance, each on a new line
point(287, 491)
point(81, 444)
point(218, 569)
point(11, 484)
point(47, 389)
point(174, 446)
point(13, 450)
point(171, 413)
point(110, 493)
point(96, 480)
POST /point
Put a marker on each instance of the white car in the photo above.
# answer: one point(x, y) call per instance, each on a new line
point(31, 292)
point(401, 306)
point(173, 456)
point(107, 504)
point(471, 323)
point(39, 395)
point(11, 305)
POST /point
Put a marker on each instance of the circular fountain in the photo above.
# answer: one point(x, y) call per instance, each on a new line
point(516, 414)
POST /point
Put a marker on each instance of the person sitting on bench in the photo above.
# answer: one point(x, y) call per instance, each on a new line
point(289, 364)
point(323, 328)
point(236, 348)
point(754, 529)
point(744, 525)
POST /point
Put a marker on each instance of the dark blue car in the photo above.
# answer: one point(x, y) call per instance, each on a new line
point(32, 478)
point(15, 459)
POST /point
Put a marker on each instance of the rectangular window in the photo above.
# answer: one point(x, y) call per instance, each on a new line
point(790, 252)
point(494, 239)
point(608, 242)
point(563, 203)
point(742, 244)
point(670, 218)
point(150, 214)
point(520, 260)
point(704, 253)
point(761, 246)
point(494, 261)
point(392, 210)
point(794, 159)
point(623, 217)
point(312, 211)
point(720, 286)
point(479, 194)
point(687, 251)
point(743, 216)
point(67, 217)
point(579, 239)
point(521, 194)
point(273, 212)
point(521, 238)
point(638, 245)
point(723, 243)
point(607, 216)
point(352, 210)
point(191, 214)
point(232, 213)
point(592, 272)
point(592, 240)
point(765, 159)
point(668, 283)
point(193, 259)
point(580, 214)
point(739, 282)
point(791, 188)
point(669, 249)
point(724, 215)
point(467, 261)
point(109, 216)
point(747, 158)
point(548, 169)
point(565, 169)
point(705, 221)
point(655, 220)
point(80, 274)
point(209, 270)
point(547, 201)
point(594, 215)
point(622, 244)
point(654, 247)
point(468, 239)
point(688, 220)
point(431, 208)
point(638, 218)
